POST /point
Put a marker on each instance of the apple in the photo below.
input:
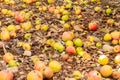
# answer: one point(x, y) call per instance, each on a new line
point(78, 12)
point(67, 36)
point(13, 34)
point(115, 41)
point(91, 38)
point(6, 75)
point(103, 59)
point(65, 18)
point(55, 66)
point(13, 63)
point(45, 27)
point(66, 26)
point(69, 43)
point(31, 1)
point(117, 59)
point(27, 36)
point(93, 26)
point(11, 28)
point(71, 50)
point(40, 66)
point(51, 9)
point(26, 46)
point(116, 74)
point(107, 37)
point(26, 25)
point(34, 75)
point(106, 70)
point(50, 1)
point(35, 59)
point(110, 21)
point(64, 56)
point(115, 35)
point(108, 11)
point(19, 18)
point(50, 42)
point(59, 47)
point(97, 9)
point(77, 75)
point(78, 42)
point(117, 48)
point(94, 75)
point(5, 35)
point(48, 73)
point(8, 56)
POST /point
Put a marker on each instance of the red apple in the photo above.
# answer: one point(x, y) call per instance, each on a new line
point(34, 75)
point(6, 75)
point(93, 26)
point(94, 75)
point(18, 17)
point(71, 50)
point(31, 1)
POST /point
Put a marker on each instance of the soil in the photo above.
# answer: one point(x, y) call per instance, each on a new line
point(37, 41)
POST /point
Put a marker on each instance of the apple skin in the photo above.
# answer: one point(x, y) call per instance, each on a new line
point(71, 50)
point(6, 75)
point(93, 26)
point(94, 75)
point(34, 75)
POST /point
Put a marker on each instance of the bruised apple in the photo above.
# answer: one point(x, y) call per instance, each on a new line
point(94, 75)
point(34, 75)
point(6, 75)
point(8, 56)
point(67, 36)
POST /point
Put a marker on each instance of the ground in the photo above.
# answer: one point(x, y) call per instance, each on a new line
point(55, 31)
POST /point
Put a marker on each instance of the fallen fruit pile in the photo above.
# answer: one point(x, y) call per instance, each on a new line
point(59, 40)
